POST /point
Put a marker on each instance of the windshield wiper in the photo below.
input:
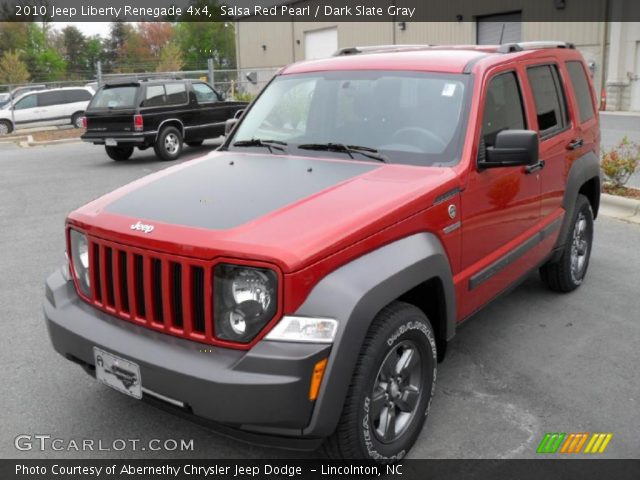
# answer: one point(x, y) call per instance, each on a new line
point(348, 149)
point(258, 142)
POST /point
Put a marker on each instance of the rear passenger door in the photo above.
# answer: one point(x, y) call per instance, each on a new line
point(554, 125)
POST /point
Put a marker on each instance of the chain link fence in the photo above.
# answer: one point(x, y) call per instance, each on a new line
point(242, 84)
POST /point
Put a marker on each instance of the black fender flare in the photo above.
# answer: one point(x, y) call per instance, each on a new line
point(582, 170)
point(354, 294)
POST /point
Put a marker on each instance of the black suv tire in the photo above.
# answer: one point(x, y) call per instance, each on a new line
point(119, 153)
point(567, 272)
point(168, 146)
point(391, 389)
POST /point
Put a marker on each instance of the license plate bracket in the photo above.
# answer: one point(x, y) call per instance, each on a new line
point(118, 373)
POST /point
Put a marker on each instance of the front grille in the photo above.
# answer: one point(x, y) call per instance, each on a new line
point(158, 291)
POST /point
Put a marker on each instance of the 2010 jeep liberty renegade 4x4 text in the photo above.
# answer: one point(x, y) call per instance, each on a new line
point(362, 207)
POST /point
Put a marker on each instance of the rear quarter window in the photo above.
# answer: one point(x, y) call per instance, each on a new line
point(154, 96)
point(582, 90)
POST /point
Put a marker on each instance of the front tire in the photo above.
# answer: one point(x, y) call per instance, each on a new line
point(168, 146)
point(391, 388)
point(568, 272)
point(5, 127)
point(119, 153)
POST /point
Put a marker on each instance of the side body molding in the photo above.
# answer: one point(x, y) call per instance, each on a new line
point(582, 170)
point(355, 293)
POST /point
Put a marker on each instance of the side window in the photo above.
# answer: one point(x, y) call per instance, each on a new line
point(154, 96)
point(549, 97)
point(582, 90)
point(51, 98)
point(30, 101)
point(176, 93)
point(74, 96)
point(503, 109)
point(204, 93)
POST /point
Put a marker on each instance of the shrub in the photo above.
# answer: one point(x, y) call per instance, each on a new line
point(619, 163)
point(243, 96)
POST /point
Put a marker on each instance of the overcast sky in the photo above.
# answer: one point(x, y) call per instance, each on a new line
point(88, 28)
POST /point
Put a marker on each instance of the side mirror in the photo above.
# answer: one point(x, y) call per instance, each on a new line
point(512, 148)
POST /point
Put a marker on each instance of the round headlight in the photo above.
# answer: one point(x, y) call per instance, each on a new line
point(80, 260)
point(245, 300)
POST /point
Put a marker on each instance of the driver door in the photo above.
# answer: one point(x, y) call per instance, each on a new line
point(26, 112)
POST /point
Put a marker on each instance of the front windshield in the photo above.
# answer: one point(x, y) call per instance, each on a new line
point(408, 117)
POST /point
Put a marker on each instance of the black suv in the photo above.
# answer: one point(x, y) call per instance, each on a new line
point(158, 113)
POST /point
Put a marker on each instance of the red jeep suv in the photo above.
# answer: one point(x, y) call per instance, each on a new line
point(299, 286)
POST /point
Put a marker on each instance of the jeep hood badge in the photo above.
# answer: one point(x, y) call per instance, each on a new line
point(141, 227)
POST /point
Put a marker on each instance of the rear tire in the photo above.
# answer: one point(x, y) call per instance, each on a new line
point(168, 146)
point(568, 272)
point(119, 153)
point(5, 127)
point(391, 388)
point(195, 143)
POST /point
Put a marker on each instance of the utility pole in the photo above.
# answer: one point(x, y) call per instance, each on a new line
point(210, 68)
point(99, 73)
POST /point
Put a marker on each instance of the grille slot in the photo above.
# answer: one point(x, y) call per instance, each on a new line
point(140, 304)
point(176, 288)
point(95, 274)
point(197, 300)
point(124, 282)
point(108, 263)
point(157, 290)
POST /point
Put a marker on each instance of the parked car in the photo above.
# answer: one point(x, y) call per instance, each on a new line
point(18, 91)
point(58, 106)
point(359, 211)
point(158, 113)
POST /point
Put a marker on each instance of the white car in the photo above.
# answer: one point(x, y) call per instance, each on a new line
point(58, 106)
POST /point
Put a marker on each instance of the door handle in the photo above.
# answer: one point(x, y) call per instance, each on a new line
point(575, 144)
point(535, 167)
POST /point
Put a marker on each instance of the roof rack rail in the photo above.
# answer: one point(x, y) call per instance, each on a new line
point(522, 46)
point(379, 49)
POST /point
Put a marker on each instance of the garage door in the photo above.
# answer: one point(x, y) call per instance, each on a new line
point(492, 28)
point(320, 43)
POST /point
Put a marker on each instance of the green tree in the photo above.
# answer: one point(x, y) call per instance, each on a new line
point(75, 52)
point(13, 36)
point(13, 69)
point(114, 44)
point(202, 40)
point(170, 59)
point(43, 62)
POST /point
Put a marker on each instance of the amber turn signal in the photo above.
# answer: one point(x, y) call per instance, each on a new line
point(316, 378)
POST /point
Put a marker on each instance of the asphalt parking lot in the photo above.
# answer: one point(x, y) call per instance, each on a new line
point(532, 362)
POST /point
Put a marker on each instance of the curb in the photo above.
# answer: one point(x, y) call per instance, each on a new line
point(621, 208)
point(31, 143)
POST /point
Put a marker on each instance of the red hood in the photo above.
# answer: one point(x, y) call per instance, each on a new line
point(289, 211)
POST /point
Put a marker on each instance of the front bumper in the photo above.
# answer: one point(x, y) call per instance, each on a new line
point(261, 391)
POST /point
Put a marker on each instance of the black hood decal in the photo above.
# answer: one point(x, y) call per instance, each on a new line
point(229, 190)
